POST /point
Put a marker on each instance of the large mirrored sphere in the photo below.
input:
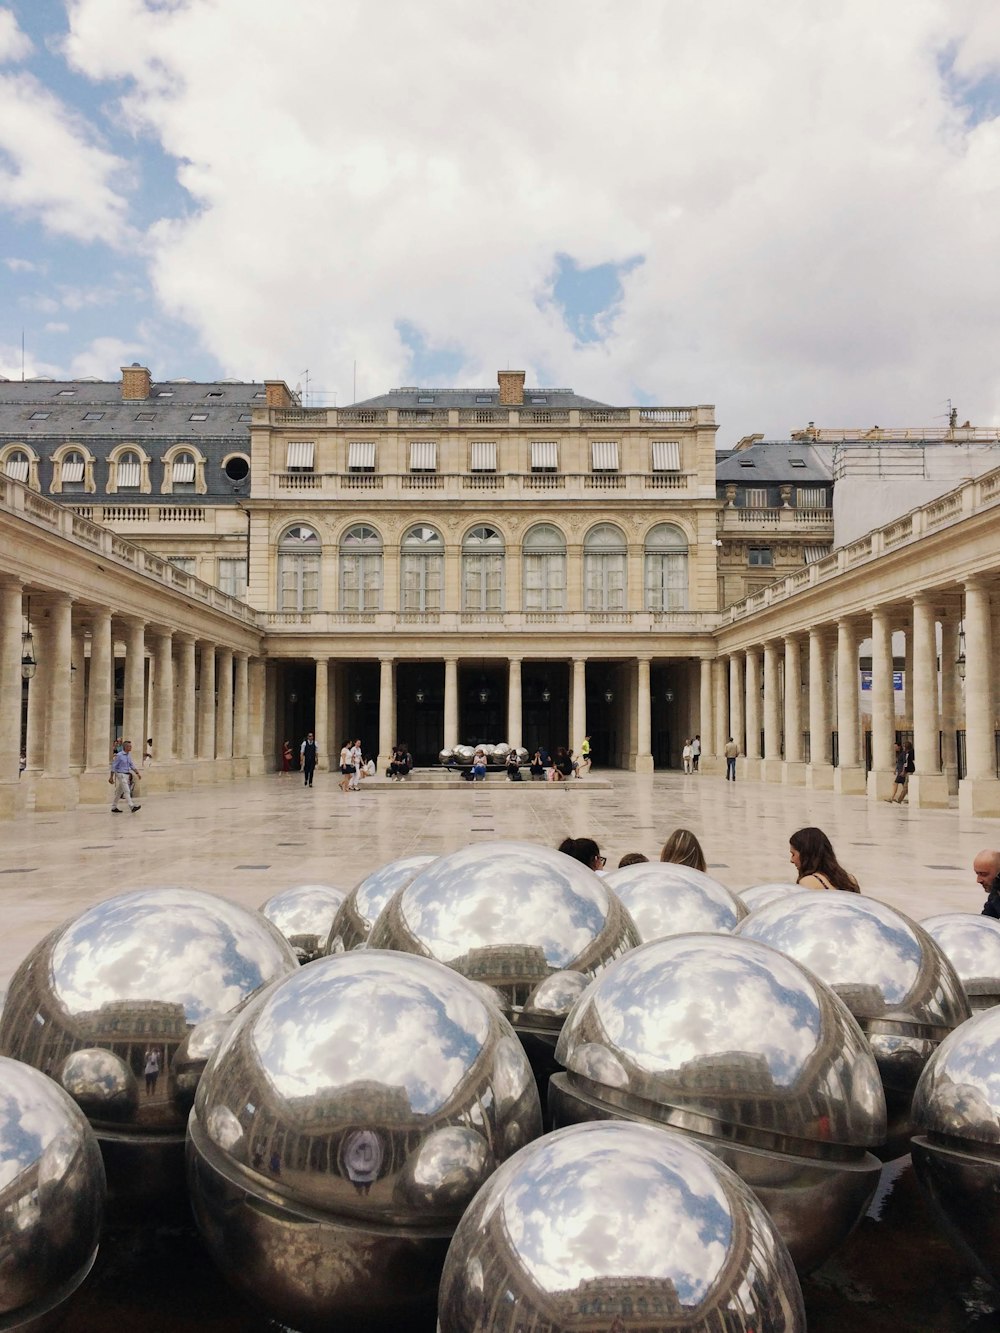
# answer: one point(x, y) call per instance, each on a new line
point(617, 1226)
point(972, 946)
point(956, 1142)
point(760, 894)
point(360, 909)
point(739, 1045)
point(304, 915)
point(666, 899)
point(890, 973)
point(51, 1197)
point(445, 756)
point(508, 913)
point(131, 976)
point(343, 1125)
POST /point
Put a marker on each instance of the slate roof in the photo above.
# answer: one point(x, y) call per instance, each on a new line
point(412, 396)
point(171, 404)
point(775, 461)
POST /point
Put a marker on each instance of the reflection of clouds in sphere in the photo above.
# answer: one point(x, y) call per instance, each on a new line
point(584, 1211)
point(371, 1017)
point(843, 938)
point(664, 899)
point(493, 894)
point(959, 1090)
point(170, 945)
point(699, 1004)
point(372, 894)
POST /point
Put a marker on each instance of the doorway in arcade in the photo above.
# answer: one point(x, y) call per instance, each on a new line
point(295, 712)
point(420, 710)
point(482, 703)
point(607, 712)
point(545, 706)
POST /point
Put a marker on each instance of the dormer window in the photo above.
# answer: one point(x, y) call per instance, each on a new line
point(425, 398)
point(129, 472)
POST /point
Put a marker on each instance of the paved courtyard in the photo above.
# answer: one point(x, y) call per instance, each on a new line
point(247, 840)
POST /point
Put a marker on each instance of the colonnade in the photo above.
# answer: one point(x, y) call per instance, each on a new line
point(791, 701)
point(194, 695)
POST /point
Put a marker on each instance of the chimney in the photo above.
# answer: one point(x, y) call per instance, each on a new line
point(511, 387)
point(278, 394)
point(136, 382)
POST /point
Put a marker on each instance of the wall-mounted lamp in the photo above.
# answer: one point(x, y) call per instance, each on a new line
point(28, 662)
point(484, 694)
point(960, 659)
point(669, 696)
point(419, 694)
point(293, 698)
point(546, 694)
point(609, 696)
point(358, 696)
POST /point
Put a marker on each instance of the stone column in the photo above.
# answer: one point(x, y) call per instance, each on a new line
point(206, 709)
point(78, 700)
point(849, 776)
point(38, 699)
point(793, 769)
point(321, 722)
point(949, 673)
point(450, 703)
point(880, 779)
point(55, 789)
point(134, 719)
point(908, 681)
point(162, 730)
point(720, 686)
point(751, 768)
point(979, 791)
point(224, 714)
point(514, 719)
point(578, 705)
point(241, 705)
point(186, 700)
point(819, 770)
point(706, 720)
point(258, 708)
point(771, 769)
point(11, 691)
point(386, 714)
point(643, 751)
point(737, 726)
point(928, 788)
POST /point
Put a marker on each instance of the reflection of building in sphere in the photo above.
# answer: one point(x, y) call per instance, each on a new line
point(513, 969)
point(361, 1157)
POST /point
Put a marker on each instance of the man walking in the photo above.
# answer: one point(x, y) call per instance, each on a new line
point(731, 752)
point(123, 770)
point(307, 752)
point(696, 752)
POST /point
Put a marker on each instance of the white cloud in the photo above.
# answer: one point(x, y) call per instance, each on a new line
point(55, 326)
point(21, 265)
point(51, 168)
point(816, 216)
point(14, 44)
point(104, 358)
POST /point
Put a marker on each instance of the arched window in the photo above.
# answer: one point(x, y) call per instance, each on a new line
point(360, 569)
point(604, 554)
point(182, 473)
point(422, 571)
point(482, 570)
point(666, 569)
point(544, 569)
point(17, 465)
point(128, 472)
point(72, 472)
point(298, 569)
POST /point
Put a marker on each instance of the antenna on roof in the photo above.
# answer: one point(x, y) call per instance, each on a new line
point(305, 396)
point(22, 356)
point(354, 391)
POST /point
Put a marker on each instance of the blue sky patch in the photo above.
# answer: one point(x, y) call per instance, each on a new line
point(589, 297)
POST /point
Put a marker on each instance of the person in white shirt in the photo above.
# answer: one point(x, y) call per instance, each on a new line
point(695, 752)
point(686, 756)
point(357, 759)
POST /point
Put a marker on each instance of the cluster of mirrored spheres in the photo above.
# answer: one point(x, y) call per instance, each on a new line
point(497, 1088)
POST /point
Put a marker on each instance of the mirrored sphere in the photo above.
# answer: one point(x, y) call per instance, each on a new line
point(359, 911)
point(737, 1044)
point(51, 1197)
point(342, 1126)
point(667, 899)
point(445, 755)
point(972, 946)
point(760, 894)
point(956, 1123)
point(304, 915)
point(464, 753)
point(131, 976)
point(501, 751)
point(890, 973)
point(617, 1226)
point(522, 754)
point(508, 913)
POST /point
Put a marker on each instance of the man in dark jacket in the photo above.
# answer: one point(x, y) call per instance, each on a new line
point(987, 871)
point(307, 752)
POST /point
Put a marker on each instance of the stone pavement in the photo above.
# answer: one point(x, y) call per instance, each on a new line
point(247, 840)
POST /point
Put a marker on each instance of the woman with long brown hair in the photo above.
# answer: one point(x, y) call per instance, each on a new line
point(683, 849)
point(817, 867)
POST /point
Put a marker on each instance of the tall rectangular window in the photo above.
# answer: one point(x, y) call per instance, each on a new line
point(361, 456)
point(300, 456)
point(484, 456)
point(666, 456)
point(233, 576)
point(544, 456)
point(755, 497)
point(810, 497)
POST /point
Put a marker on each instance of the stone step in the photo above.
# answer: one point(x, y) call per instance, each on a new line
point(444, 779)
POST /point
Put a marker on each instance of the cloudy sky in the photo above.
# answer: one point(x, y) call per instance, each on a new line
point(791, 211)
